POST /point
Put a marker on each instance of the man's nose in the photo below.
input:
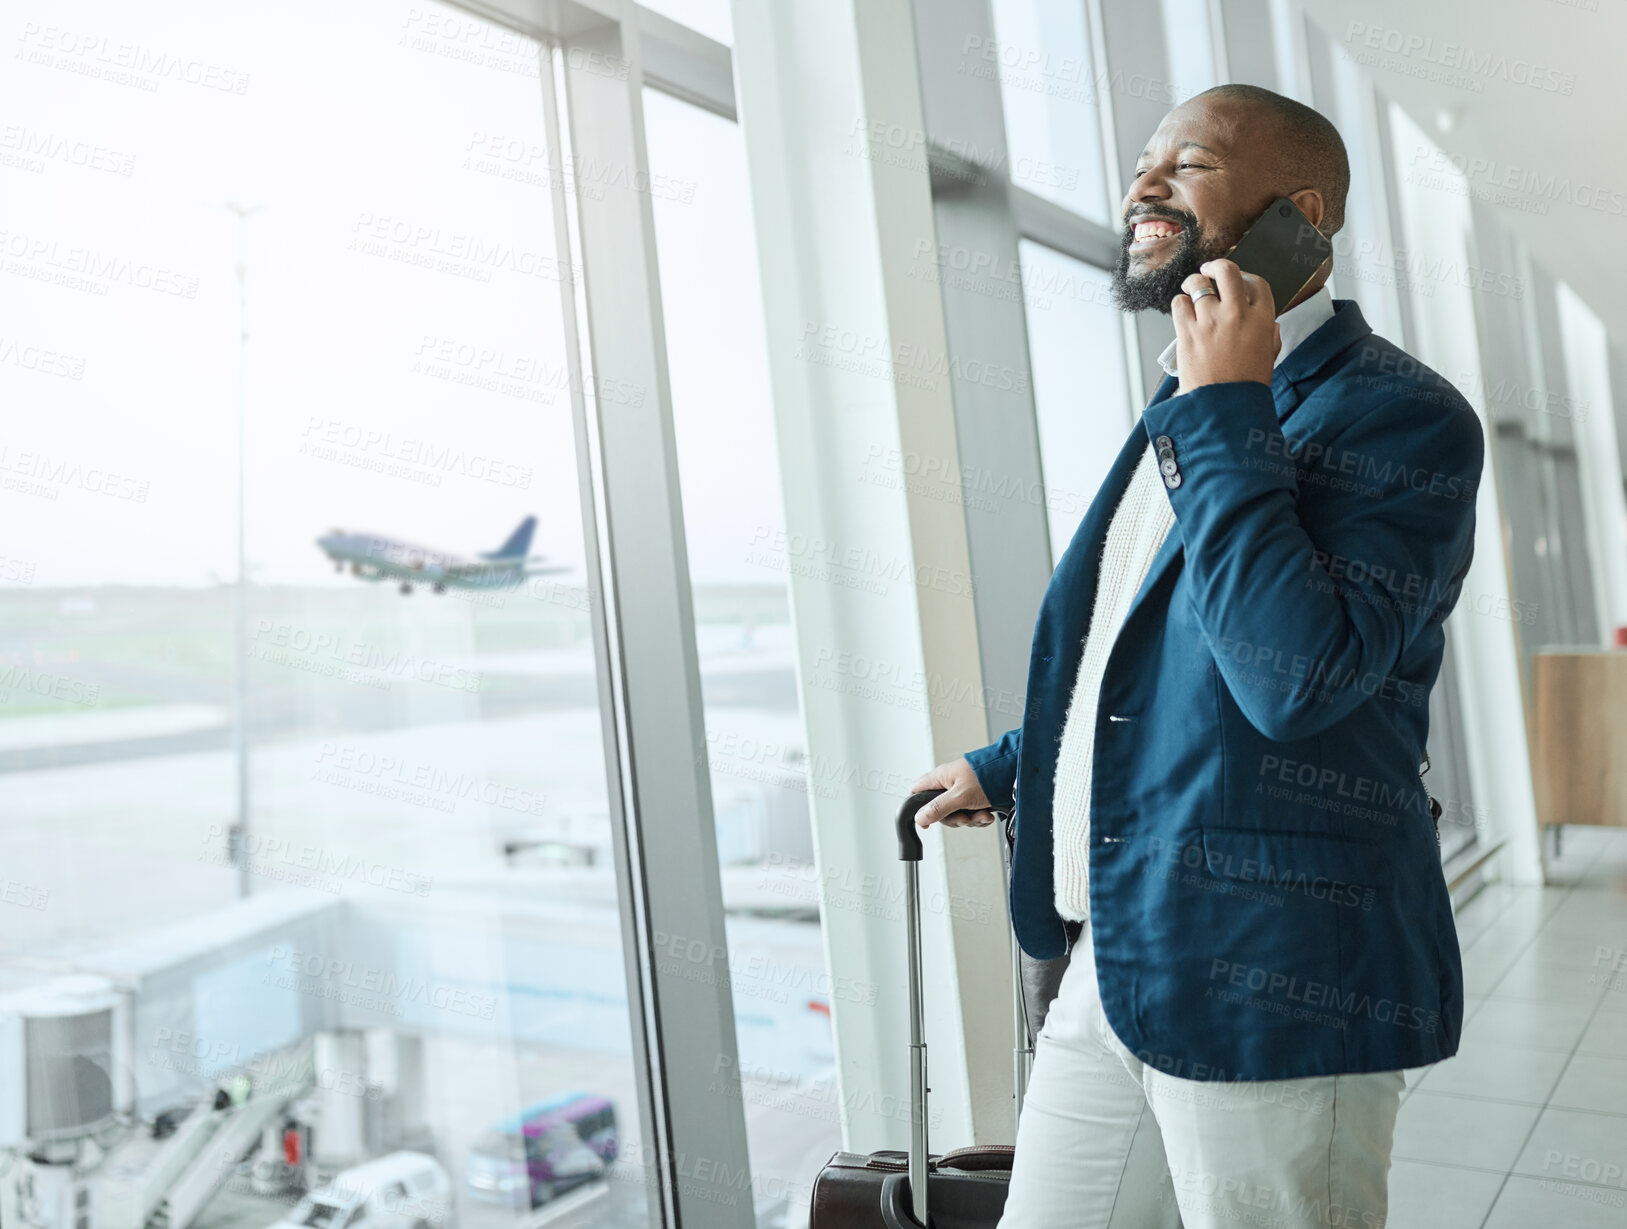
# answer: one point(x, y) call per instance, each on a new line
point(1152, 186)
point(1149, 187)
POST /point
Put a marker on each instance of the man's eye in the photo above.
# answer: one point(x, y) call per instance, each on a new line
point(1195, 166)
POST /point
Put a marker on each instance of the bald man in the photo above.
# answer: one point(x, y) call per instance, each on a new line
point(1220, 819)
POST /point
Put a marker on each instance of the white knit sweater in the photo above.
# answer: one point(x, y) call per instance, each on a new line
point(1138, 528)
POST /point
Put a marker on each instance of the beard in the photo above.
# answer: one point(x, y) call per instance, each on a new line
point(1155, 288)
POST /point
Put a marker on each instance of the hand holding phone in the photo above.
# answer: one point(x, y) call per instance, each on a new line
point(1225, 327)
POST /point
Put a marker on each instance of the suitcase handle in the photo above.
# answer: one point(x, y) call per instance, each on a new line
point(910, 853)
point(909, 836)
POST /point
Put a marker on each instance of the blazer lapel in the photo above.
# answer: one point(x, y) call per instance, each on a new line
point(1064, 614)
point(1288, 384)
point(1293, 376)
point(1172, 547)
point(1163, 561)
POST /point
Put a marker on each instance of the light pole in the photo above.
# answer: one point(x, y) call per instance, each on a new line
point(238, 844)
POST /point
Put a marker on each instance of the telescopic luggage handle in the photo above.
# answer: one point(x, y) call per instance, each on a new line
point(909, 853)
point(909, 836)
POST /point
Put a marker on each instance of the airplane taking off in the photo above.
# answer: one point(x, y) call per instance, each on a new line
point(373, 557)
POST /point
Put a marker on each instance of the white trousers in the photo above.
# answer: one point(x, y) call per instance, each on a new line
point(1107, 1142)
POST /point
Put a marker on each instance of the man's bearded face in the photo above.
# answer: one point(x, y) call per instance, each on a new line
point(1162, 247)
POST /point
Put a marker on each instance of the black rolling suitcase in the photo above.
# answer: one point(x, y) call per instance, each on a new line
point(964, 1189)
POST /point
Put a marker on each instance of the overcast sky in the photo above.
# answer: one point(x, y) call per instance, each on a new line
point(378, 136)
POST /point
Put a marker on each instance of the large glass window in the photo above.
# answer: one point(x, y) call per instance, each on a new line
point(709, 17)
point(1585, 360)
point(1081, 391)
point(1190, 44)
point(1444, 314)
point(1366, 264)
point(311, 806)
point(717, 360)
point(1048, 88)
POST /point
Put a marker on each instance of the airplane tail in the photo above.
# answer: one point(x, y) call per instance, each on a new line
point(518, 545)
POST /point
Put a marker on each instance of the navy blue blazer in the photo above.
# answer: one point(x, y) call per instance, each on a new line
point(1266, 892)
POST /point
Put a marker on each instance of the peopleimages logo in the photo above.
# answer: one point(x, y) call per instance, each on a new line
point(30, 149)
point(23, 895)
point(123, 63)
point(265, 854)
point(368, 985)
point(27, 357)
point(1301, 998)
point(1229, 865)
point(852, 565)
point(1457, 58)
point(700, 960)
point(39, 473)
point(341, 761)
point(16, 677)
point(92, 270)
point(1364, 471)
point(433, 456)
point(274, 641)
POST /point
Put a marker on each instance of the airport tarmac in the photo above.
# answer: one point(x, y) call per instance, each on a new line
point(405, 760)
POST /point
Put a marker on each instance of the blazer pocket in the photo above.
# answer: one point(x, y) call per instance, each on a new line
point(1312, 866)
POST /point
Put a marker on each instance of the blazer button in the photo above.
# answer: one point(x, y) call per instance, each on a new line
point(1168, 466)
point(1163, 442)
point(1172, 481)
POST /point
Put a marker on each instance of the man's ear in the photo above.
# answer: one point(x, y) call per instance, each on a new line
point(1311, 204)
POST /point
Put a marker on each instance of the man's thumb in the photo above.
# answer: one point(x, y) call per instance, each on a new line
point(937, 808)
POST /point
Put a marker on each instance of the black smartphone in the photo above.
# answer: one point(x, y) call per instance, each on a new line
point(1284, 248)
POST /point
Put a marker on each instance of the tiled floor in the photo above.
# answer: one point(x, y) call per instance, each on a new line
point(1527, 1126)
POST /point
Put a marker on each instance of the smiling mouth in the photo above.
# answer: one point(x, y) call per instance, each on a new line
point(1150, 232)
